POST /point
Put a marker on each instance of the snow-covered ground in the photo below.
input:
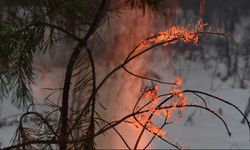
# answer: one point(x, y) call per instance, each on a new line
point(206, 132)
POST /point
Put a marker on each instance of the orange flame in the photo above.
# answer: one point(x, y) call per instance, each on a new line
point(171, 36)
point(151, 95)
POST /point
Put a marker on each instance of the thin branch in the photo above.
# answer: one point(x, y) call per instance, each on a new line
point(151, 140)
point(167, 107)
point(214, 113)
point(115, 123)
point(62, 30)
point(220, 99)
point(51, 112)
point(118, 122)
point(119, 134)
point(146, 78)
point(128, 60)
point(204, 101)
point(145, 128)
point(137, 102)
point(130, 54)
point(17, 146)
point(149, 118)
point(211, 33)
point(92, 123)
point(41, 117)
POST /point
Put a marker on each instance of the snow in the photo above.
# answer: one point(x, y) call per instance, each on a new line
point(207, 131)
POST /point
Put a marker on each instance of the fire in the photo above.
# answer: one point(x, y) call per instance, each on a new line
point(181, 99)
point(150, 94)
point(172, 110)
point(123, 88)
point(155, 130)
point(175, 33)
point(201, 25)
point(169, 112)
point(178, 81)
point(171, 36)
point(143, 44)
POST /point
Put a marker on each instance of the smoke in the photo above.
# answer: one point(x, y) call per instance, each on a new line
point(120, 94)
point(121, 91)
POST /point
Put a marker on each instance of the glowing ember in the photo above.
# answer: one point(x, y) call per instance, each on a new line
point(178, 81)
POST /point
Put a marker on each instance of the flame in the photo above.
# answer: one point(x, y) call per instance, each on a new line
point(129, 84)
point(151, 95)
point(176, 32)
point(178, 81)
point(155, 130)
point(173, 35)
point(169, 112)
point(143, 44)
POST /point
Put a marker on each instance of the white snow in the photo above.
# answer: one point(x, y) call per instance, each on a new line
point(207, 132)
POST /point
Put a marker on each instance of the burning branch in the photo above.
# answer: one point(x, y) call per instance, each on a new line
point(157, 105)
point(171, 36)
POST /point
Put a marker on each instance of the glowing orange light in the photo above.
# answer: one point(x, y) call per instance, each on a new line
point(170, 36)
point(178, 81)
